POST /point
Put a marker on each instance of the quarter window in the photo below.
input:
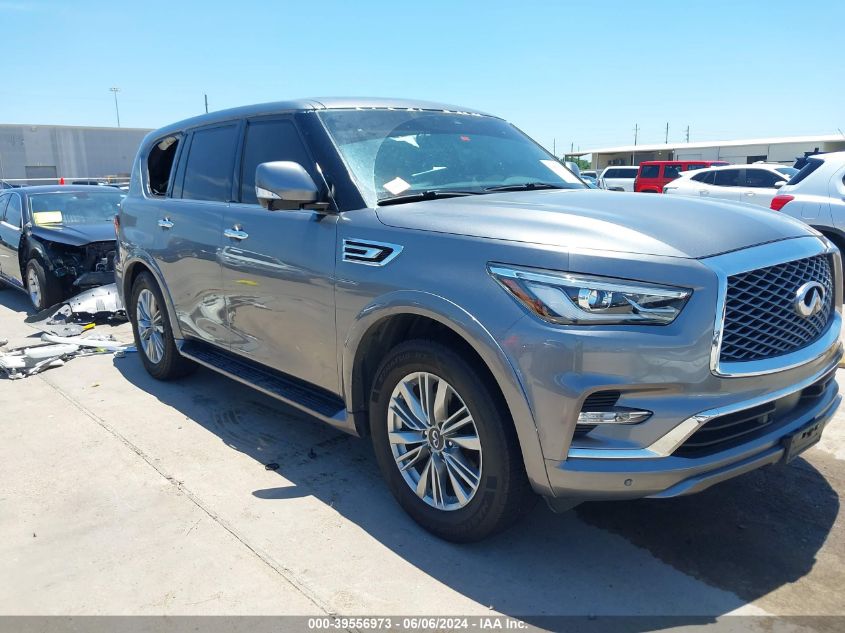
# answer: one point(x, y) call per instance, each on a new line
point(269, 141)
point(706, 177)
point(208, 171)
point(160, 164)
point(761, 178)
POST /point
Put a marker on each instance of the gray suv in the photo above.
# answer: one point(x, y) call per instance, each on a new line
point(429, 276)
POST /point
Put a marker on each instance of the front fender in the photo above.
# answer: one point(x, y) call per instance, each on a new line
point(472, 331)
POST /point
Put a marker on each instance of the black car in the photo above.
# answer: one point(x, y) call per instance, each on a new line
point(56, 240)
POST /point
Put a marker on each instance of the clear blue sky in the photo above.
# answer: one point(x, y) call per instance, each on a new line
point(581, 73)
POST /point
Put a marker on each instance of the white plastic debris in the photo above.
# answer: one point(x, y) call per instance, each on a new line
point(97, 342)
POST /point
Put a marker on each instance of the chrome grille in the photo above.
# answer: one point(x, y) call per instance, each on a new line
point(760, 317)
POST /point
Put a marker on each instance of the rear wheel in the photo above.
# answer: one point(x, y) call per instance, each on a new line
point(445, 444)
point(153, 333)
point(44, 290)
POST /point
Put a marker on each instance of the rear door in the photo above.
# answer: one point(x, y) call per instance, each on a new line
point(726, 184)
point(278, 268)
point(11, 221)
point(191, 231)
point(759, 186)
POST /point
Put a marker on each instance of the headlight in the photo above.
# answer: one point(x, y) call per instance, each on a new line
point(571, 299)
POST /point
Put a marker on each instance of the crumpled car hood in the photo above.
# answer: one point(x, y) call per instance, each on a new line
point(637, 223)
point(76, 234)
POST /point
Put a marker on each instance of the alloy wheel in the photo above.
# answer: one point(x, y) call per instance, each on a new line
point(150, 326)
point(434, 441)
point(34, 287)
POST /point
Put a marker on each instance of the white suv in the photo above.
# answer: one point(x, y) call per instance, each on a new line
point(617, 178)
point(756, 184)
point(816, 195)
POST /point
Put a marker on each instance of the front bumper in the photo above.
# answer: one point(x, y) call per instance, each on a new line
point(619, 474)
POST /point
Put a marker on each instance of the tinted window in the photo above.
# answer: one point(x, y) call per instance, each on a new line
point(812, 165)
point(705, 177)
point(729, 178)
point(621, 173)
point(650, 171)
point(268, 141)
point(208, 172)
point(160, 164)
point(14, 210)
point(762, 178)
point(671, 171)
point(3, 201)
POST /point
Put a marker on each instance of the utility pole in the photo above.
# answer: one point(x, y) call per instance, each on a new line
point(688, 134)
point(667, 133)
point(115, 90)
point(636, 135)
point(206, 103)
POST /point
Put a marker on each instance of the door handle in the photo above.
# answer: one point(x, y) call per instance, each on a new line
point(235, 233)
point(704, 192)
point(165, 223)
point(749, 193)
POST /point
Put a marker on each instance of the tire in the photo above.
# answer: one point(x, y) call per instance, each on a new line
point(44, 290)
point(152, 331)
point(459, 513)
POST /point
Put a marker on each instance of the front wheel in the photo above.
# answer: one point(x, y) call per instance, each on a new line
point(44, 291)
point(445, 443)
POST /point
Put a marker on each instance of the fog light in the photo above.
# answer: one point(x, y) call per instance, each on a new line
point(616, 415)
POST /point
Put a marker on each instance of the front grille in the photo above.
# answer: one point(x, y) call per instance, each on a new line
point(734, 428)
point(760, 317)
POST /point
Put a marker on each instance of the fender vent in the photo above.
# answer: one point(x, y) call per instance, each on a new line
point(369, 253)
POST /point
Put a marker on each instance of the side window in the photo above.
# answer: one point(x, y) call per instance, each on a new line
point(762, 178)
point(4, 200)
point(268, 141)
point(671, 171)
point(160, 165)
point(208, 171)
point(14, 210)
point(729, 178)
point(706, 177)
point(650, 171)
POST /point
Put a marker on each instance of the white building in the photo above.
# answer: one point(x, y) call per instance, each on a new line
point(30, 152)
point(776, 150)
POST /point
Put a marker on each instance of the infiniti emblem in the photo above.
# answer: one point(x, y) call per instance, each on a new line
point(809, 299)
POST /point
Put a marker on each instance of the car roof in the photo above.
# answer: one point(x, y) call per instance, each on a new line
point(679, 161)
point(312, 104)
point(769, 166)
point(61, 188)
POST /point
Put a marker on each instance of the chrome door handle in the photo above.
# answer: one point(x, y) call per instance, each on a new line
point(235, 233)
point(165, 223)
point(749, 193)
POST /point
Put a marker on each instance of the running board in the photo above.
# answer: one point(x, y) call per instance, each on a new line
point(297, 393)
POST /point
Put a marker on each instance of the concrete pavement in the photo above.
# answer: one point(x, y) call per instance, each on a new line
point(123, 495)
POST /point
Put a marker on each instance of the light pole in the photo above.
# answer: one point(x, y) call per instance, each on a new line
point(116, 109)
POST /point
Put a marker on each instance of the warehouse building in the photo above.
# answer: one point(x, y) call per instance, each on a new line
point(775, 150)
point(31, 153)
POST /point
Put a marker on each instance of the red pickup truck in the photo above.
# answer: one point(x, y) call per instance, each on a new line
point(654, 174)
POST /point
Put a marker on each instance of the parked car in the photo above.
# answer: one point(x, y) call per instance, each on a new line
point(8, 185)
point(618, 178)
point(816, 195)
point(592, 173)
point(653, 175)
point(56, 241)
point(753, 184)
point(429, 276)
point(590, 181)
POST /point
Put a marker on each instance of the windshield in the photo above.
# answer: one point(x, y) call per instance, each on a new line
point(395, 153)
point(75, 207)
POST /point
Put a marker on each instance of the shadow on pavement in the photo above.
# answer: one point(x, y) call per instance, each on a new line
point(743, 538)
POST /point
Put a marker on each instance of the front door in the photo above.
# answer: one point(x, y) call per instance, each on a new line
point(278, 268)
point(10, 236)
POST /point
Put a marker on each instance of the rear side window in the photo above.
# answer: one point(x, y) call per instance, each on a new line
point(621, 173)
point(706, 177)
point(761, 178)
point(812, 165)
point(268, 141)
point(14, 211)
point(160, 165)
point(671, 171)
point(650, 171)
point(211, 159)
point(729, 178)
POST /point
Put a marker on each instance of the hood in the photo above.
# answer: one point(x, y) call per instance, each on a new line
point(75, 234)
point(641, 223)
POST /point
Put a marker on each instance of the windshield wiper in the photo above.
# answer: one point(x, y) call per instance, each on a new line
point(525, 186)
point(431, 194)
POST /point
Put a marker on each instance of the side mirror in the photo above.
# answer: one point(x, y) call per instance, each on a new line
point(286, 186)
point(779, 184)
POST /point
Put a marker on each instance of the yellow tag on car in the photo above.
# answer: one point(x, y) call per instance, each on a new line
point(47, 217)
